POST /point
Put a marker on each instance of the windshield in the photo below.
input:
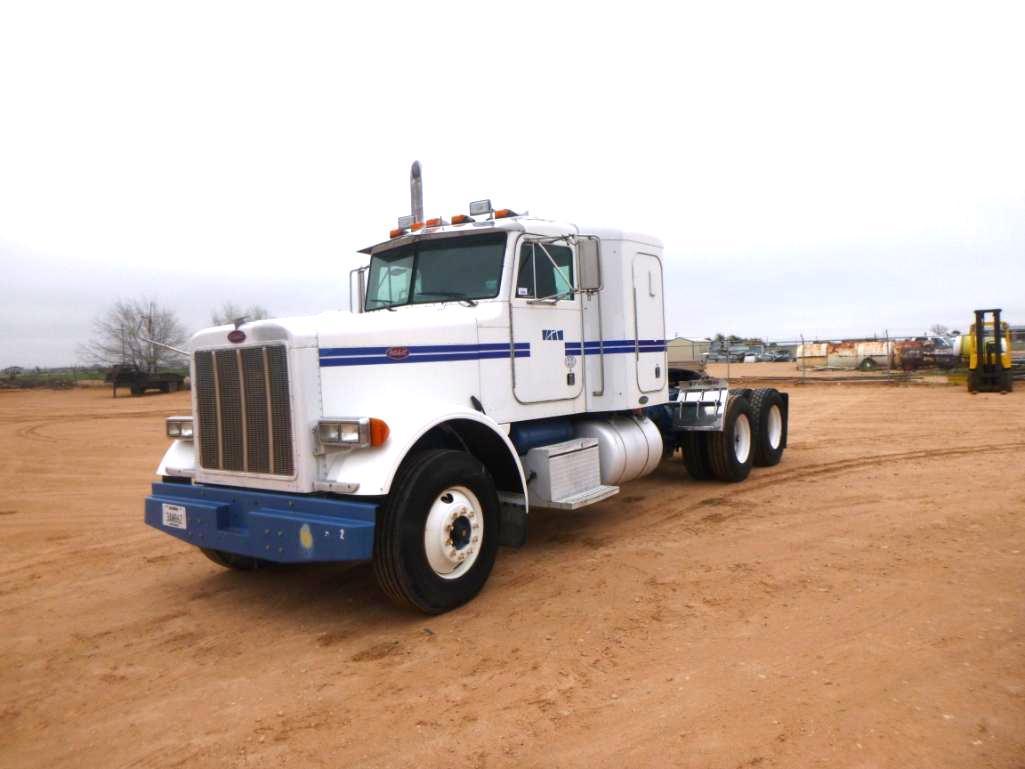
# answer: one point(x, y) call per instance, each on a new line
point(460, 268)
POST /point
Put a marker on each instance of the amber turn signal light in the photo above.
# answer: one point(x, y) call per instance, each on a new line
point(379, 431)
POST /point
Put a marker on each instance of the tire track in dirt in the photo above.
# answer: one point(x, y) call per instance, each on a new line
point(79, 417)
point(31, 433)
point(821, 469)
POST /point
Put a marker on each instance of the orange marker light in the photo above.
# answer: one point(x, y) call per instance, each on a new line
point(417, 226)
point(396, 232)
point(502, 213)
point(461, 219)
point(378, 431)
point(435, 222)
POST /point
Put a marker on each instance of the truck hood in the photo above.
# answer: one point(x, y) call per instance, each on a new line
point(408, 328)
point(427, 325)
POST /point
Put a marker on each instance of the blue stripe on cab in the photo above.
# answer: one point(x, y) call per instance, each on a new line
point(612, 346)
point(433, 353)
point(330, 352)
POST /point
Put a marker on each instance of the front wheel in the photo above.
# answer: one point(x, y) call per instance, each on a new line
point(233, 560)
point(437, 535)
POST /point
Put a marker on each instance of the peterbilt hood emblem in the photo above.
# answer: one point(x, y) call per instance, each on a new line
point(238, 335)
point(397, 353)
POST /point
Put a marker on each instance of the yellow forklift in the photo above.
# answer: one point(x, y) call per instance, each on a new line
point(989, 354)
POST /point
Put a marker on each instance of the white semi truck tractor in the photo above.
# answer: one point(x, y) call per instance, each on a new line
point(490, 364)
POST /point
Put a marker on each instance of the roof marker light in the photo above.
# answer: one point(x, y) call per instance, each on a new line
point(461, 219)
point(396, 232)
point(435, 222)
point(502, 213)
point(417, 226)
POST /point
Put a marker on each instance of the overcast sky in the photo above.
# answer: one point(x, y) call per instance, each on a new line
point(816, 168)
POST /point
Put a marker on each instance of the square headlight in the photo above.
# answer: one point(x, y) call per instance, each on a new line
point(344, 432)
point(179, 427)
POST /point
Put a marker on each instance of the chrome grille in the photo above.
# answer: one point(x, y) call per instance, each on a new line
point(243, 417)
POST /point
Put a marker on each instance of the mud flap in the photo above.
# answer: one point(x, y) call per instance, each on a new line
point(512, 522)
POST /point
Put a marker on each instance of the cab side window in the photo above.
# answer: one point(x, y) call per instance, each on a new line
point(545, 272)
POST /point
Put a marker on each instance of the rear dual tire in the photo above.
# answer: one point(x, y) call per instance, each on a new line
point(731, 450)
point(695, 455)
point(769, 420)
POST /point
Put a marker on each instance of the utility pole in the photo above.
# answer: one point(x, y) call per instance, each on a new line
point(149, 335)
point(804, 360)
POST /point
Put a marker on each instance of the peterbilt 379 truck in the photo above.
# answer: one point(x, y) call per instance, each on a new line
point(488, 365)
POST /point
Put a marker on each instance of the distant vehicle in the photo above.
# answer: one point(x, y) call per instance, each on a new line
point(139, 381)
point(924, 352)
point(724, 357)
point(782, 356)
point(989, 354)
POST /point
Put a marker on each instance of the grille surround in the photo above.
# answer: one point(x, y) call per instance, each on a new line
point(244, 410)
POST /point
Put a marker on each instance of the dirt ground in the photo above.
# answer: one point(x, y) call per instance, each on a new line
point(860, 605)
point(793, 372)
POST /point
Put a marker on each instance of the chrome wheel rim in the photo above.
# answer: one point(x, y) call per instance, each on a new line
point(742, 438)
point(454, 532)
point(775, 427)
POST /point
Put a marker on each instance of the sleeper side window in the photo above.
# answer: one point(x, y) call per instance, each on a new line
point(545, 272)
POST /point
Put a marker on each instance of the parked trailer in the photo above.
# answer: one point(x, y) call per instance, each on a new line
point(139, 381)
point(490, 364)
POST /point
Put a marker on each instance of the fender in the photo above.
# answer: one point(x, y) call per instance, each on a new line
point(374, 469)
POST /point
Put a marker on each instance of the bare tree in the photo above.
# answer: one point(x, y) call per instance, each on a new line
point(938, 329)
point(229, 312)
point(118, 336)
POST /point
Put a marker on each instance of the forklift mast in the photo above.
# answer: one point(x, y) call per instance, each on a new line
point(989, 366)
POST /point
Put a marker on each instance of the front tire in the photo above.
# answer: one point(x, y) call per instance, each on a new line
point(437, 534)
point(233, 561)
point(731, 452)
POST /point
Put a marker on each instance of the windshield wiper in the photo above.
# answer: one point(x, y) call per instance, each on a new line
point(450, 295)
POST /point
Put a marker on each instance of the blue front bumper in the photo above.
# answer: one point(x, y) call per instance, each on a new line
point(285, 528)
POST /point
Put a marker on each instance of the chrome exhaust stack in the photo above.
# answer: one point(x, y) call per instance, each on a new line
point(416, 192)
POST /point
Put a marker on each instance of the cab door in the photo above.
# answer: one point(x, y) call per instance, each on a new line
point(649, 323)
point(546, 315)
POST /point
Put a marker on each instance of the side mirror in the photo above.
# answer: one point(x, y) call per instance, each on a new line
point(590, 265)
point(358, 288)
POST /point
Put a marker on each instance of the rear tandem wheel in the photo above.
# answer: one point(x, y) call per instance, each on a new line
point(769, 420)
point(731, 451)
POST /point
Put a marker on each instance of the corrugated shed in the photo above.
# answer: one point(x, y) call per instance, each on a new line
point(682, 350)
